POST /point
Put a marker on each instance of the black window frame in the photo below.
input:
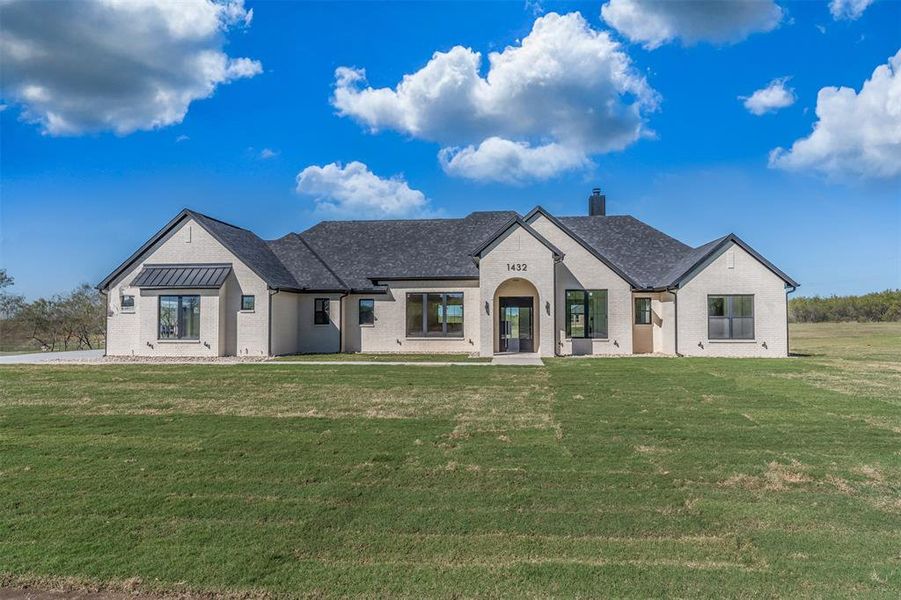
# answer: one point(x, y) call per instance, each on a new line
point(424, 332)
point(127, 309)
point(642, 312)
point(370, 311)
point(587, 312)
point(729, 316)
point(321, 311)
point(159, 322)
point(253, 302)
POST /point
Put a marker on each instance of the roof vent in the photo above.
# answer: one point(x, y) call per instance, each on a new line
point(597, 203)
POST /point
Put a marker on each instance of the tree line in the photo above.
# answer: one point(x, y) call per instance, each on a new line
point(877, 306)
point(75, 320)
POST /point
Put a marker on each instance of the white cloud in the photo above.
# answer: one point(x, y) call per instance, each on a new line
point(356, 192)
point(771, 98)
point(182, 138)
point(857, 134)
point(565, 86)
point(848, 10)
point(119, 65)
point(656, 22)
point(510, 162)
point(266, 153)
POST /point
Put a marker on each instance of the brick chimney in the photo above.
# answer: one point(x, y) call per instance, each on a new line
point(597, 203)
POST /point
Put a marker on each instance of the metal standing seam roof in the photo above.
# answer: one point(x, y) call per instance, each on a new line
point(195, 276)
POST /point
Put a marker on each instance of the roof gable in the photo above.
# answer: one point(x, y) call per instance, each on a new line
point(243, 244)
point(516, 221)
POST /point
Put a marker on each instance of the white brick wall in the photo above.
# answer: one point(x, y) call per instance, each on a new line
point(244, 333)
point(313, 338)
point(747, 276)
point(581, 270)
point(388, 334)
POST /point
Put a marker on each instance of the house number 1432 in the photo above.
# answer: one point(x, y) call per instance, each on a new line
point(517, 267)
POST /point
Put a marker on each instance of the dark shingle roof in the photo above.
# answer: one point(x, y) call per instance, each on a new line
point(359, 251)
point(308, 269)
point(355, 255)
point(251, 249)
point(643, 253)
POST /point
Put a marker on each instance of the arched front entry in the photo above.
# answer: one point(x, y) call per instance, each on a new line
point(516, 317)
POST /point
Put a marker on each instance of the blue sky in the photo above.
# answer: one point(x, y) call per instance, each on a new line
point(78, 199)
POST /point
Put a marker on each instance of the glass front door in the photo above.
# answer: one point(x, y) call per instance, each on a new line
point(516, 324)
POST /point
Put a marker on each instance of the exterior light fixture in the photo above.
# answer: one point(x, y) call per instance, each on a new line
point(547, 306)
point(487, 308)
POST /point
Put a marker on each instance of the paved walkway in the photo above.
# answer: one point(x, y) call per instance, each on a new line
point(519, 359)
point(35, 358)
point(95, 357)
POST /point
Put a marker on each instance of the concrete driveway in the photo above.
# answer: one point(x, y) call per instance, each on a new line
point(44, 357)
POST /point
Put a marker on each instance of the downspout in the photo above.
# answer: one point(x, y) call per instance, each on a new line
point(106, 322)
point(787, 344)
point(269, 347)
point(341, 329)
point(675, 321)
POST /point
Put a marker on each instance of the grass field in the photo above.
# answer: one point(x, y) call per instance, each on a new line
point(384, 357)
point(621, 477)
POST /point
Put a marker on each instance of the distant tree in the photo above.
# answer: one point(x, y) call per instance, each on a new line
point(878, 306)
point(9, 303)
point(65, 321)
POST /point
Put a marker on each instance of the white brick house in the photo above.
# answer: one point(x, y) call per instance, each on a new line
point(492, 282)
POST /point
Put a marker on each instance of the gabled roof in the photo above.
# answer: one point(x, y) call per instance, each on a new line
point(514, 221)
point(584, 243)
point(642, 255)
point(361, 253)
point(244, 244)
point(712, 249)
point(345, 256)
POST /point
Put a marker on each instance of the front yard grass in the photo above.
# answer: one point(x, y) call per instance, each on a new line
point(370, 357)
point(640, 477)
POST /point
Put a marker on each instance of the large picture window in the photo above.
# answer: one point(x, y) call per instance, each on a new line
point(435, 315)
point(179, 318)
point(586, 313)
point(730, 317)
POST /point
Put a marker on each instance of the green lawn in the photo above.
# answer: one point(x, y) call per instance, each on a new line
point(359, 357)
point(640, 477)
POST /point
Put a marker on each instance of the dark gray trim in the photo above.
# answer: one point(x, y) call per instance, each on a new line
point(567, 329)
point(728, 303)
point(539, 210)
point(376, 280)
point(424, 332)
point(718, 249)
point(787, 332)
point(514, 221)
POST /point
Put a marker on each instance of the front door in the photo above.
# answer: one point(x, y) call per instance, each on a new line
point(516, 323)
